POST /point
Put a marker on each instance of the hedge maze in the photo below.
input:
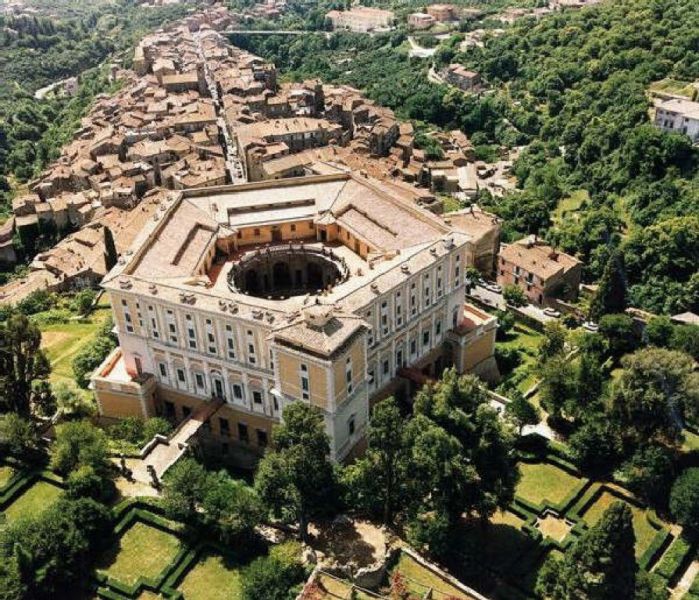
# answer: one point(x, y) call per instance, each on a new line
point(24, 491)
point(152, 555)
point(553, 507)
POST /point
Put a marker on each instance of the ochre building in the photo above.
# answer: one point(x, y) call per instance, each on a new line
point(336, 290)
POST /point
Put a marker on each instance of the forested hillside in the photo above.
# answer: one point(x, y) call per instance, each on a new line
point(572, 88)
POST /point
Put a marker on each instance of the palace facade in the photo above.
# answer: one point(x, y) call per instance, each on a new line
point(336, 290)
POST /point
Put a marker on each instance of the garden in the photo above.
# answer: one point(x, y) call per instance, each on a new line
point(553, 506)
point(26, 492)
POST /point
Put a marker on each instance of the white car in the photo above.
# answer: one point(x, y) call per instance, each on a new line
point(552, 312)
point(493, 287)
point(591, 326)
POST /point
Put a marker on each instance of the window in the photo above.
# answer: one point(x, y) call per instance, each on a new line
point(191, 332)
point(153, 322)
point(261, 438)
point(181, 377)
point(186, 411)
point(305, 383)
point(413, 347)
point(230, 342)
point(348, 374)
point(199, 380)
point(370, 339)
point(243, 433)
point(425, 338)
point(237, 391)
point(351, 425)
point(127, 316)
point(399, 310)
point(257, 397)
point(413, 300)
point(384, 318)
point(256, 232)
point(371, 377)
point(224, 427)
point(293, 227)
point(171, 327)
point(386, 367)
point(399, 358)
point(163, 370)
point(275, 403)
point(438, 328)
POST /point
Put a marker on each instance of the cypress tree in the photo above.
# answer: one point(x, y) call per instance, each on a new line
point(611, 293)
point(600, 566)
point(110, 251)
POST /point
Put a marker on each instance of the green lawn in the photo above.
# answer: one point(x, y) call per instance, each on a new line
point(419, 579)
point(33, 501)
point(691, 441)
point(143, 551)
point(544, 481)
point(6, 473)
point(507, 518)
point(644, 531)
point(527, 341)
point(64, 340)
point(673, 86)
point(212, 578)
point(569, 204)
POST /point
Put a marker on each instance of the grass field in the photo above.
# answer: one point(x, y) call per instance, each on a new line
point(6, 473)
point(419, 580)
point(143, 551)
point(64, 340)
point(691, 441)
point(527, 341)
point(569, 204)
point(544, 481)
point(212, 578)
point(673, 86)
point(507, 518)
point(33, 501)
point(644, 531)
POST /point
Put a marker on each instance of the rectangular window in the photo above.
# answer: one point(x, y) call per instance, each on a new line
point(191, 333)
point(257, 397)
point(261, 438)
point(181, 377)
point(163, 370)
point(348, 374)
point(386, 367)
point(399, 358)
point(237, 391)
point(171, 327)
point(438, 328)
point(243, 433)
point(305, 383)
point(199, 379)
point(413, 347)
point(425, 338)
point(224, 427)
point(351, 425)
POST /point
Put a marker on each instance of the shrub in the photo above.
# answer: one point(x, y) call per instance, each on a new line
point(514, 296)
point(79, 444)
point(17, 435)
point(431, 533)
point(273, 577)
point(92, 355)
point(85, 482)
point(684, 501)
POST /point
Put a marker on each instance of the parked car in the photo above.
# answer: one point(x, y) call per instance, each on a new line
point(552, 312)
point(591, 326)
point(492, 286)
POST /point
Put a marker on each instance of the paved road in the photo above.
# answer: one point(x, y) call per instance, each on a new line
point(419, 51)
point(496, 300)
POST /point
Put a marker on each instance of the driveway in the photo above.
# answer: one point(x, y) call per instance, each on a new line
point(496, 300)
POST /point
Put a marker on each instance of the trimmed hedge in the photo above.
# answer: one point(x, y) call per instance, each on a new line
point(674, 559)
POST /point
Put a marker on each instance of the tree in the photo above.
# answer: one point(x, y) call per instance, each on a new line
point(649, 474)
point(296, 479)
point(618, 331)
point(78, 444)
point(588, 382)
point(506, 321)
point(685, 338)
point(554, 340)
point(557, 386)
point(83, 301)
point(110, 252)
point(184, 487)
point(655, 389)
point(57, 547)
point(514, 296)
point(659, 330)
point(472, 276)
point(273, 577)
point(376, 481)
point(684, 501)
point(611, 292)
point(520, 412)
point(601, 564)
point(17, 435)
point(21, 363)
point(594, 447)
point(231, 508)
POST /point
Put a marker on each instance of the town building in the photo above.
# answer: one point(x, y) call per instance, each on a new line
point(420, 21)
point(361, 19)
point(540, 271)
point(678, 115)
point(442, 12)
point(336, 290)
point(461, 77)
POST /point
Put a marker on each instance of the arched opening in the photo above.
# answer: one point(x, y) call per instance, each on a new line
point(315, 276)
point(281, 275)
point(251, 283)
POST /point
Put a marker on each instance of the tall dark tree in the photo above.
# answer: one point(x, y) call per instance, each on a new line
point(295, 479)
point(376, 482)
point(611, 293)
point(600, 566)
point(21, 363)
point(110, 252)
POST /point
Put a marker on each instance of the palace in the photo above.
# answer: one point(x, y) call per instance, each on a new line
point(334, 289)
